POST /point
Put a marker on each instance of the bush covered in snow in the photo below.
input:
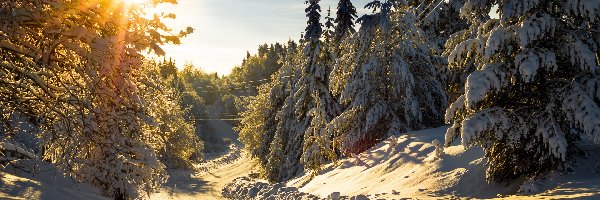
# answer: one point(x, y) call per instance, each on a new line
point(534, 86)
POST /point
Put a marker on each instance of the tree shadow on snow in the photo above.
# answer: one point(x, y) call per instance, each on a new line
point(185, 182)
point(470, 167)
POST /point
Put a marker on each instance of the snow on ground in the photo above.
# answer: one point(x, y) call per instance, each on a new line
point(216, 160)
point(404, 166)
point(205, 182)
point(208, 181)
point(407, 166)
point(34, 179)
point(248, 188)
point(209, 178)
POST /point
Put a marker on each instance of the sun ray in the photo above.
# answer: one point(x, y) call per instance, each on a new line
point(134, 2)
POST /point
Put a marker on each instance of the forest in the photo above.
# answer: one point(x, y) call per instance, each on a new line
point(87, 88)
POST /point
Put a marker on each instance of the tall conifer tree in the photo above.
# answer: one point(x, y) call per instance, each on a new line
point(346, 14)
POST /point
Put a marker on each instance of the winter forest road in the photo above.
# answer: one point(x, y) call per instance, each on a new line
point(209, 178)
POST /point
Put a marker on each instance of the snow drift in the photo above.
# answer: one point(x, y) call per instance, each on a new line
point(409, 166)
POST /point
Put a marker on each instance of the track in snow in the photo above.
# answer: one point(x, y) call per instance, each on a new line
point(209, 178)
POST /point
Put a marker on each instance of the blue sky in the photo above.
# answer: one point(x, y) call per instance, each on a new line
point(226, 29)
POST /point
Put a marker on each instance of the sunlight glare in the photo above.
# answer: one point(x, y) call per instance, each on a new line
point(134, 2)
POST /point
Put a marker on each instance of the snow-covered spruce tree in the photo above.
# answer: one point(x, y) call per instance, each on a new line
point(439, 20)
point(280, 164)
point(455, 77)
point(536, 87)
point(314, 97)
point(386, 79)
point(328, 33)
point(306, 110)
point(260, 121)
point(346, 14)
point(78, 71)
point(286, 150)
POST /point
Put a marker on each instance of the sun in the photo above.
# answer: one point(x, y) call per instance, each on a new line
point(135, 2)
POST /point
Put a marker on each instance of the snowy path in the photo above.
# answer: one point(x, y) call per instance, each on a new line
point(209, 183)
point(210, 177)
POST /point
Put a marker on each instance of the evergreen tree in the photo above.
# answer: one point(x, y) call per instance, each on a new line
point(300, 138)
point(314, 28)
point(263, 128)
point(259, 122)
point(328, 34)
point(300, 124)
point(315, 102)
point(534, 89)
point(386, 78)
point(286, 148)
point(439, 20)
point(346, 14)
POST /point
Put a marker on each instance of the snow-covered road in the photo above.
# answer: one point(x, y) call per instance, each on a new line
point(209, 178)
point(206, 184)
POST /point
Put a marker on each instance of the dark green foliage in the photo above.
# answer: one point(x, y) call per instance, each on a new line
point(346, 14)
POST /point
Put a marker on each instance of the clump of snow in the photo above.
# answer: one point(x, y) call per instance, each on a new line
point(246, 188)
point(532, 29)
point(439, 149)
point(530, 187)
point(489, 79)
point(10, 147)
point(495, 120)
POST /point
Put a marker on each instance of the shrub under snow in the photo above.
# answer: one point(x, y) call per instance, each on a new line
point(535, 86)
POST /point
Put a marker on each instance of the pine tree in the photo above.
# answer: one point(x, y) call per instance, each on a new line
point(328, 34)
point(265, 125)
point(386, 78)
point(346, 14)
point(534, 87)
point(314, 27)
point(286, 148)
point(439, 20)
point(259, 122)
point(299, 140)
point(297, 124)
point(319, 106)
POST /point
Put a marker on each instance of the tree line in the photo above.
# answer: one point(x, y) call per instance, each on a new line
point(524, 86)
